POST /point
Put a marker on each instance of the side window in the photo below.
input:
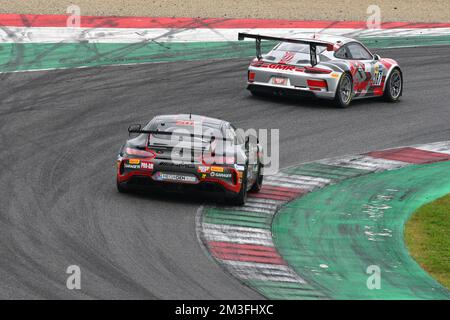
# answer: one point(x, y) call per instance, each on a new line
point(341, 53)
point(358, 52)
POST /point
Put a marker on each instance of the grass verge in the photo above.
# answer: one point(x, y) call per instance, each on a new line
point(427, 236)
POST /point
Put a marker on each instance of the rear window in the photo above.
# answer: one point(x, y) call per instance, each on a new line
point(183, 127)
point(298, 47)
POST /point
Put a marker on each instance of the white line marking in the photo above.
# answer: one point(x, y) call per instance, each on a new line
point(261, 271)
point(242, 235)
point(364, 163)
point(441, 147)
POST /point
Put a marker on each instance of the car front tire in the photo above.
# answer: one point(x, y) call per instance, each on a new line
point(394, 86)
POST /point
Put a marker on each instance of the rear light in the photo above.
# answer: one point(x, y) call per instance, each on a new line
point(317, 85)
point(139, 153)
point(121, 168)
point(317, 70)
point(234, 177)
point(251, 76)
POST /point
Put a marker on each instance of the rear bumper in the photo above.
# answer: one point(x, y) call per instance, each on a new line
point(297, 81)
point(289, 91)
point(214, 178)
point(146, 182)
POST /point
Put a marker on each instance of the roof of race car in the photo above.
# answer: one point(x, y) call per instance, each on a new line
point(191, 117)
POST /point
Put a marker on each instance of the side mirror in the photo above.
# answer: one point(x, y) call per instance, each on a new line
point(134, 128)
point(377, 57)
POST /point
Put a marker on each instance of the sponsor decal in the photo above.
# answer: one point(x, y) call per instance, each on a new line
point(203, 176)
point(134, 161)
point(147, 165)
point(131, 166)
point(203, 169)
point(274, 66)
point(175, 177)
point(220, 175)
point(239, 167)
point(185, 123)
point(216, 169)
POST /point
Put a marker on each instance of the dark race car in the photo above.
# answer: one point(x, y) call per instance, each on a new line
point(179, 152)
point(323, 66)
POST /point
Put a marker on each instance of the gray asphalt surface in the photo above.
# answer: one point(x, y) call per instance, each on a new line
point(61, 130)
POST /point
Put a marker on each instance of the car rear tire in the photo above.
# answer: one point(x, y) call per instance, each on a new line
point(344, 91)
point(122, 187)
point(240, 198)
point(394, 86)
point(257, 185)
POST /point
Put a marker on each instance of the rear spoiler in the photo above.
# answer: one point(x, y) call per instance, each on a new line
point(312, 44)
point(136, 129)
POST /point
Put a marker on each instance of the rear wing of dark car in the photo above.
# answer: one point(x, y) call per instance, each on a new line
point(137, 130)
point(313, 44)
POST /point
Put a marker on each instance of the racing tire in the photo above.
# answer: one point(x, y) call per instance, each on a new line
point(121, 187)
point(240, 198)
point(257, 185)
point(344, 91)
point(394, 86)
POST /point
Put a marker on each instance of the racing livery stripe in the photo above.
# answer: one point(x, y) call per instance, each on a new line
point(42, 20)
point(241, 239)
point(411, 155)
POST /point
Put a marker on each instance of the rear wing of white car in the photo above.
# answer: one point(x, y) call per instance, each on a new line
point(313, 44)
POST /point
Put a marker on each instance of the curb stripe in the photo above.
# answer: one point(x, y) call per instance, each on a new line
point(42, 20)
point(440, 147)
point(242, 241)
point(364, 163)
point(411, 155)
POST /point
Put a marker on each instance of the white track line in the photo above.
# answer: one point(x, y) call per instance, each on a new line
point(261, 271)
point(364, 163)
point(441, 147)
point(241, 235)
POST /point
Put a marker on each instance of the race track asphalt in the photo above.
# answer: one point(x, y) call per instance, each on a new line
point(59, 135)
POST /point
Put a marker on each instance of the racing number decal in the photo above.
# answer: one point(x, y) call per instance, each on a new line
point(377, 77)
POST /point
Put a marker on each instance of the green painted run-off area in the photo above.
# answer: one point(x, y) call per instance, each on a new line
point(331, 236)
point(34, 56)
